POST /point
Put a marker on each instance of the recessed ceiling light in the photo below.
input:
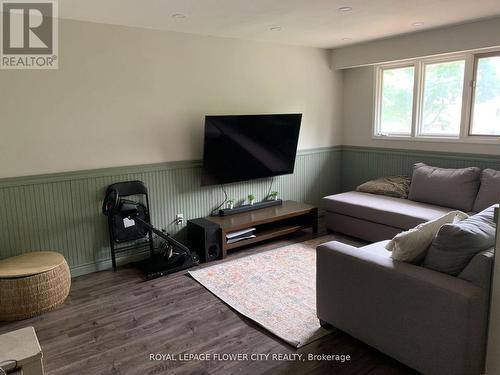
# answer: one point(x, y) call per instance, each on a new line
point(275, 28)
point(346, 39)
point(417, 24)
point(178, 15)
point(344, 9)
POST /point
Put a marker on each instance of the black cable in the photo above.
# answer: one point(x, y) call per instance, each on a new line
point(270, 187)
point(215, 210)
point(163, 235)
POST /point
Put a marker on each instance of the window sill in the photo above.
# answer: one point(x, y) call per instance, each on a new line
point(471, 140)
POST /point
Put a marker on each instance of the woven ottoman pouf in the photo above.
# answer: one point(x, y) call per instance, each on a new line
point(32, 284)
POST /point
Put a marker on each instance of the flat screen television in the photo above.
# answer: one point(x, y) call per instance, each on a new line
point(246, 147)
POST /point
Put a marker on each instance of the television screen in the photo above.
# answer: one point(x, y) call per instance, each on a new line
point(246, 147)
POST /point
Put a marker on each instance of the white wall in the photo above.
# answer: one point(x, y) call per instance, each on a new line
point(468, 36)
point(358, 113)
point(128, 96)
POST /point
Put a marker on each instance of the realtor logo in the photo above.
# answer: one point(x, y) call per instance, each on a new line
point(29, 34)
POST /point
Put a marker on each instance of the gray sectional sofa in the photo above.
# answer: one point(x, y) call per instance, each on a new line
point(433, 192)
point(431, 321)
point(375, 217)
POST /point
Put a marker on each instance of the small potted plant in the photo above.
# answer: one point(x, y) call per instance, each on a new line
point(230, 204)
point(251, 199)
point(274, 195)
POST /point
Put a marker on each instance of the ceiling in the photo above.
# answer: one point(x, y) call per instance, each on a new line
point(316, 23)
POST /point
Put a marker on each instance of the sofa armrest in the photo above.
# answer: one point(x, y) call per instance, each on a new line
point(430, 321)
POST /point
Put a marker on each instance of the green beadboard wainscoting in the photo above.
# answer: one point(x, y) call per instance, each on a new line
point(360, 164)
point(62, 212)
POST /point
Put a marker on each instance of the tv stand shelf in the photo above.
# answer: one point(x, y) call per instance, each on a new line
point(269, 222)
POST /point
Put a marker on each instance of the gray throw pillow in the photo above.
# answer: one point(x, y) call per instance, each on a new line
point(454, 188)
point(456, 244)
point(489, 191)
point(395, 186)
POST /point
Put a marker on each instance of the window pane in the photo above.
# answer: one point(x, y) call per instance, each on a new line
point(397, 101)
point(486, 115)
point(442, 104)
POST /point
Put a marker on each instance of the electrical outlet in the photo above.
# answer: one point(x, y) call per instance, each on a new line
point(179, 219)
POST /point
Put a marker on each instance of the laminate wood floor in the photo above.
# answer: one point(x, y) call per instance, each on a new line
point(112, 322)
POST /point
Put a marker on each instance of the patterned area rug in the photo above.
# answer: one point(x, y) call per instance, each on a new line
point(275, 288)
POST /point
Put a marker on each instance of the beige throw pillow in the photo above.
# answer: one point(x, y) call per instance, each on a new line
point(411, 246)
point(394, 186)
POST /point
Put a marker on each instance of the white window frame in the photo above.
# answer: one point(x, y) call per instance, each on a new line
point(421, 92)
point(418, 92)
point(379, 80)
point(473, 93)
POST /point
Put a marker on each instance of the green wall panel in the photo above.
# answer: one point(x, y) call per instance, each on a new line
point(360, 164)
point(62, 211)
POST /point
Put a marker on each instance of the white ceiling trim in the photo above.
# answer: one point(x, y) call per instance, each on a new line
point(474, 36)
point(314, 23)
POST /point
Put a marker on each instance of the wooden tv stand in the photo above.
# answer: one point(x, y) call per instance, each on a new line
point(269, 222)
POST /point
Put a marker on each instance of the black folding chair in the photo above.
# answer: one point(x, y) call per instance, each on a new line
point(123, 230)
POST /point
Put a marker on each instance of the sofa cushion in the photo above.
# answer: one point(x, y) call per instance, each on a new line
point(489, 190)
point(359, 228)
point(479, 269)
point(456, 188)
point(411, 246)
point(394, 212)
point(395, 186)
point(456, 244)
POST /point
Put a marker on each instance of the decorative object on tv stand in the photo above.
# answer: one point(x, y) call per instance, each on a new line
point(230, 204)
point(251, 199)
point(274, 195)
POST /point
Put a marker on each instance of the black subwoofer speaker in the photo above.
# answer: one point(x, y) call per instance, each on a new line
point(204, 238)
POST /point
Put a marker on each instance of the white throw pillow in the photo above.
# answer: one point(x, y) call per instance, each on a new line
point(410, 246)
